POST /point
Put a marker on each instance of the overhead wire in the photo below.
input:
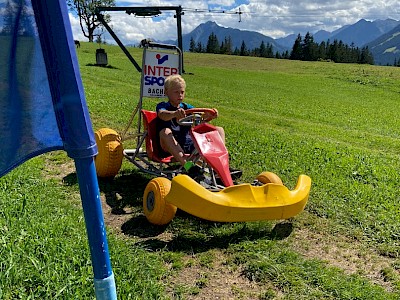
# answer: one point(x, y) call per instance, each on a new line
point(215, 11)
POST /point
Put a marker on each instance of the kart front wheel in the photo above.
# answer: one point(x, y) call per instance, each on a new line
point(269, 177)
point(156, 209)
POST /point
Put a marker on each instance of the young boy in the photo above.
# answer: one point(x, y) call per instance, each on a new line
point(174, 139)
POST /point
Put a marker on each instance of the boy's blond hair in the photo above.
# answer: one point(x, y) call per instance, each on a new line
point(173, 81)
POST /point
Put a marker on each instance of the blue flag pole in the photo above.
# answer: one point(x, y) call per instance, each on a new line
point(103, 276)
point(75, 129)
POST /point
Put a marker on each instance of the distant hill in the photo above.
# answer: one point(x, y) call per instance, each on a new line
point(252, 39)
point(360, 33)
point(322, 35)
point(364, 32)
point(386, 48)
point(287, 41)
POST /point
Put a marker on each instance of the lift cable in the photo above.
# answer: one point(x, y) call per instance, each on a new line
point(215, 11)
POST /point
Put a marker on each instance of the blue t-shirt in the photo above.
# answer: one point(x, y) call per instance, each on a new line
point(180, 133)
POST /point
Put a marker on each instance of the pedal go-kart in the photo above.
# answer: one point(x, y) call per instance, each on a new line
point(214, 196)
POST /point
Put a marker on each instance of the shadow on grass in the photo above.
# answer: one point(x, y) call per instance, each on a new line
point(140, 227)
point(194, 235)
point(102, 66)
point(124, 190)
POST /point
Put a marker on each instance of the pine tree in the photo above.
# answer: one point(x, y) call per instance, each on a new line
point(341, 52)
point(212, 44)
point(333, 51)
point(366, 57)
point(263, 50)
point(270, 50)
point(192, 46)
point(286, 55)
point(199, 48)
point(309, 48)
point(243, 49)
point(296, 53)
point(222, 48)
point(321, 51)
point(228, 45)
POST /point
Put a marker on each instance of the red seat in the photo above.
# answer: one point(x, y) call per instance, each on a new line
point(152, 147)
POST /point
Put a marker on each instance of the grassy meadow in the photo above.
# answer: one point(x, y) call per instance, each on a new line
point(337, 123)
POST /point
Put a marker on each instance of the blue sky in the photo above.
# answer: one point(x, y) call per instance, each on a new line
point(274, 18)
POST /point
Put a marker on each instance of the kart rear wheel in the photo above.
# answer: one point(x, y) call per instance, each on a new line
point(156, 209)
point(269, 177)
point(109, 159)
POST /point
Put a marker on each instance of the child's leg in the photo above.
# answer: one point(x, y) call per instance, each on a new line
point(170, 145)
point(221, 132)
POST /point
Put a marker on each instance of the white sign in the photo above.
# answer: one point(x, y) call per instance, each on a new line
point(157, 65)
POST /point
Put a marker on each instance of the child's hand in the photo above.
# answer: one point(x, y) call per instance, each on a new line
point(179, 113)
point(216, 113)
point(209, 116)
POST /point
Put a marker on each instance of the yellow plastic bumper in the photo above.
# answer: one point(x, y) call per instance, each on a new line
point(239, 203)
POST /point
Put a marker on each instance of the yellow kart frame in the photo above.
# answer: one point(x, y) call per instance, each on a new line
point(238, 203)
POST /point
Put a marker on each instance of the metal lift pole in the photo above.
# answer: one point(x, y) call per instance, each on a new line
point(178, 16)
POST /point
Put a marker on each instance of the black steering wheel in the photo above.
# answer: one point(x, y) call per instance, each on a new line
point(196, 116)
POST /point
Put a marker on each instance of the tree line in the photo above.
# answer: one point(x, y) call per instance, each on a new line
point(226, 46)
point(307, 49)
point(303, 49)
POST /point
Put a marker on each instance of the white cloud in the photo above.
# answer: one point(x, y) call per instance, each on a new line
point(222, 3)
point(76, 29)
point(133, 29)
point(275, 18)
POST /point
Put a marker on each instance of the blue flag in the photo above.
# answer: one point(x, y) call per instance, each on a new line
point(42, 105)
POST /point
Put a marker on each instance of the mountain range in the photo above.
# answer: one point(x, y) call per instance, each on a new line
point(252, 39)
point(381, 36)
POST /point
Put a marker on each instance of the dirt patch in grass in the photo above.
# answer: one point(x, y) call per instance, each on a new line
point(57, 166)
point(115, 220)
point(347, 254)
point(217, 280)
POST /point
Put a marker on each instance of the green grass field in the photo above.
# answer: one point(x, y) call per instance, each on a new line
point(337, 123)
